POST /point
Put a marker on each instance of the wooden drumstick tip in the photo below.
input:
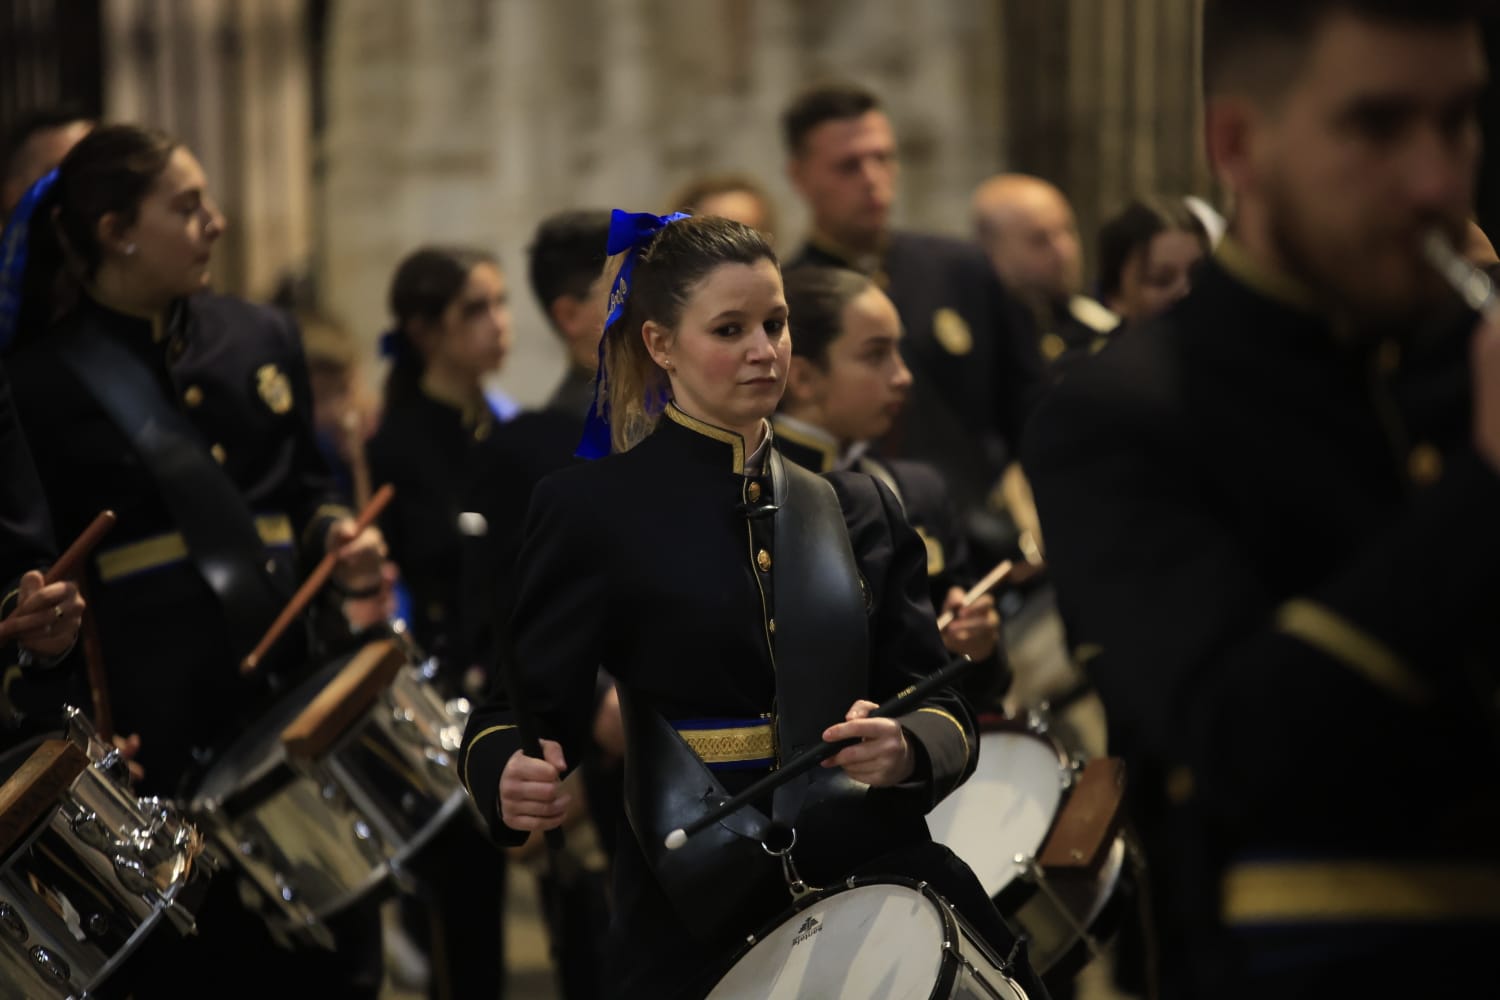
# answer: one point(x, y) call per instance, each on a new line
point(676, 839)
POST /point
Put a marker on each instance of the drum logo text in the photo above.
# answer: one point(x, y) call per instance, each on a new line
point(809, 927)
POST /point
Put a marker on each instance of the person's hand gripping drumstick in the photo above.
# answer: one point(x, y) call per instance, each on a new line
point(49, 608)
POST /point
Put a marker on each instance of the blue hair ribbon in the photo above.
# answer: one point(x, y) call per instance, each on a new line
point(629, 233)
point(13, 246)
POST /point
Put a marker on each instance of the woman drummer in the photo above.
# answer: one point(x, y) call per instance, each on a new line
point(846, 386)
point(660, 563)
point(189, 415)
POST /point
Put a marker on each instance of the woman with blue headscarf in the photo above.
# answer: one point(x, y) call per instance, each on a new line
point(747, 610)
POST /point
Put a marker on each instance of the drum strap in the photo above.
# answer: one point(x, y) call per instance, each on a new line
point(204, 503)
point(822, 630)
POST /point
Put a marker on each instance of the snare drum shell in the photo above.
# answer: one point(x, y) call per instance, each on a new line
point(320, 834)
point(82, 891)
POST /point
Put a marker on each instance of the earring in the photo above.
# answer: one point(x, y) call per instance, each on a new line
point(129, 249)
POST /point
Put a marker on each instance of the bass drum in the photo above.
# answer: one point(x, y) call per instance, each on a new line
point(87, 870)
point(888, 938)
point(1042, 832)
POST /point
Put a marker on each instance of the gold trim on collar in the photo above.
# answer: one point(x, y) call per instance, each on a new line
point(1323, 892)
point(827, 450)
point(1338, 638)
point(1274, 284)
point(674, 413)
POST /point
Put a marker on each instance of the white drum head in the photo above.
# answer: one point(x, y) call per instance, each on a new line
point(1004, 809)
point(881, 940)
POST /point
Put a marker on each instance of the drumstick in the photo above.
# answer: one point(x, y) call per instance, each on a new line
point(81, 547)
point(314, 582)
point(93, 660)
point(359, 464)
point(991, 580)
point(816, 755)
point(70, 560)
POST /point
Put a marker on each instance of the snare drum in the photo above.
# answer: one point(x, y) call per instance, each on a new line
point(333, 793)
point(87, 870)
point(889, 938)
point(1041, 831)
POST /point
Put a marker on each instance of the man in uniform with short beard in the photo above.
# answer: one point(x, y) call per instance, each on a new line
point(1271, 519)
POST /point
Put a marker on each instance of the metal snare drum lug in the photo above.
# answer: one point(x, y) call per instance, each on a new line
point(134, 876)
point(285, 889)
point(11, 924)
point(92, 831)
point(52, 965)
point(406, 724)
point(450, 738)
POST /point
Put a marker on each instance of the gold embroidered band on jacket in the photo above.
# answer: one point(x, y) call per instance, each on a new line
point(730, 744)
point(163, 550)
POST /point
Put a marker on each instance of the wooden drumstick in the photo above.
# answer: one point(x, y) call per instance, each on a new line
point(314, 582)
point(359, 463)
point(67, 565)
point(93, 659)
point(991, 580)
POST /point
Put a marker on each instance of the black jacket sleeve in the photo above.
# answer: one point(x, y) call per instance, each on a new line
point(904, 641)
point(558, 628)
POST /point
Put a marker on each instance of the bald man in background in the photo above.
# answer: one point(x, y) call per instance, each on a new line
point(1028, 230)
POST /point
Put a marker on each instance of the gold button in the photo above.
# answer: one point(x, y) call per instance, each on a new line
point(1053, 347)
point(753, 492)
point(217, 451)
point(1424, 465)
point(193, 396)
point(1179, 785)
point(763, 560)
point(771, 626)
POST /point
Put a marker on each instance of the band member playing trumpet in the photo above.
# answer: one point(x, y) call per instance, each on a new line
point(1270, 517)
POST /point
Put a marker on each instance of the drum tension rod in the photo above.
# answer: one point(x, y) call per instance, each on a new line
point(1038, 878)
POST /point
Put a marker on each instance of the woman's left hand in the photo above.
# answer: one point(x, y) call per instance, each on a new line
point(881, 758)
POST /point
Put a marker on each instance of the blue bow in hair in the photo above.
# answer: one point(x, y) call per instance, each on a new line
point(629, 232)
point(13, 246)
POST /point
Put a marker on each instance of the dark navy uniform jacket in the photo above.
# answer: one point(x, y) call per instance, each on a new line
point(1277, 553)
point(646, 564)
point(446, 463)
point(236, 371)
point(973, 350)
point(26, 541)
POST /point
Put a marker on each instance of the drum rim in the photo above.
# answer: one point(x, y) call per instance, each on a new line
point(948, 967)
